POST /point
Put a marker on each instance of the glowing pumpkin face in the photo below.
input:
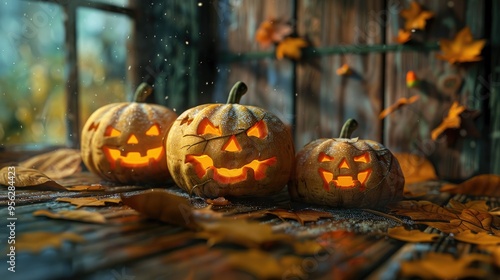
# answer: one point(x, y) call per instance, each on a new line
point(229, 150)
point(343, 172)
point(124, 142)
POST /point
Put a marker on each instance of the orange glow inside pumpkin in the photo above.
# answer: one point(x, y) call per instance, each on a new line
point(344, 181)
point(132, 159)
point(203, 163)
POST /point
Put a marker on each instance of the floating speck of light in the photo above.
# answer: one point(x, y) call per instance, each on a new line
point(200, 4)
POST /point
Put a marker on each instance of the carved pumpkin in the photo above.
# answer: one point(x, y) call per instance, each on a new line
point(230, 149)
point(345, 172)
point(124, 142)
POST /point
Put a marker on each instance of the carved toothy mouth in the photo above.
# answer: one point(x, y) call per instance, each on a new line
point(344, 182)
point(132, 159)
point(223, 175)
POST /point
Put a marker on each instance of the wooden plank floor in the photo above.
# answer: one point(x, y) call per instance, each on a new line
point(130, 246)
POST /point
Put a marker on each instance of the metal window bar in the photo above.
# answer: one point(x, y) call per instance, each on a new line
point(72, 87)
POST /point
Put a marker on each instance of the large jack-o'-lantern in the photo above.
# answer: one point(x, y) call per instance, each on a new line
point(124, 142)
point(230, 149)
point(345, 172)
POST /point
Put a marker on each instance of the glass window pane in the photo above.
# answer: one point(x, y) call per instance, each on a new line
point(119, 3)
point(32, 77)
point(102, 59)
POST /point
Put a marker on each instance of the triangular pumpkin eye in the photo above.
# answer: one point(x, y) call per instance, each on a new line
point(112, 132)
point(154, 130)
point(258, 130)
point(207, 127)
point(362, 158)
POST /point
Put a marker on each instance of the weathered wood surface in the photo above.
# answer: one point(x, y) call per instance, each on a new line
point(130, 245)
point(408, 130)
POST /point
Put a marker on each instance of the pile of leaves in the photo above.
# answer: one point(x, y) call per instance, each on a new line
point(249, 242)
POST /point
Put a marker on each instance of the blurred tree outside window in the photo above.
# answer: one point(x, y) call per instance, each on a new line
point(34, 67)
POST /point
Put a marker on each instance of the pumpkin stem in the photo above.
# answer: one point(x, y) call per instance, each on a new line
point(237, 91)
point(348, 128)
point(142, 92)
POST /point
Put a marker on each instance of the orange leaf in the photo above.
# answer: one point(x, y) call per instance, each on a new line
point(445, 266)
point(480, 238)
point(301, 216)
point(452, 120)
point(415, 17)
point(291, 48)
point(463, 48)
point(403, 36)
point(400, 233)
point(86, 188)
point(272, 31)
point(73, 215)
point(344, 70)
point(480, 185)
point(88, 201)
point(397, 105)
point(415, 168)
point(39, 240)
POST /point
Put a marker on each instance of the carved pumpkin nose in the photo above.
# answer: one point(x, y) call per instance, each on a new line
point(344, 164)
point(232, 145)
point(132, 139)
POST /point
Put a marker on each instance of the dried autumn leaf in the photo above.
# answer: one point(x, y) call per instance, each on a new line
point(480, 185)
point(400, 233)
point(415, 168)
point(494, 250)
point(415, 17)
point(403, 36)
point(463, 48)
point(243, 232)
point(272, 31)
point(88, 201)
point(458, 207)
point(84, 188)
point(397, 105)
point(263, 265)
point(37, 241)
point(308, 247)
point(26, 178)
point(344, 70)
point(161, 205)
point(480, 238)
point(290, 47)
point(445, 266)
point(423, 210)
point(56, 164)
point(301, 216)
point(220, 201)
point(451, 121)
point(73, 215)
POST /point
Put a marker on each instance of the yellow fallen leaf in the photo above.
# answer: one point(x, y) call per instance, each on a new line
point(463, 48)
point(56, 164)
point(480, 185)
point(291, 48)
point(88, 201)
point(302, 216)
point(415, 168)
point(480, 238)
point(243, 232)
point(445, 266)
point(37, 241)
point(27, 178)
point(85, 188)
point(400, 233)
point(263, 265)
point(415, 17)
point(73, 215)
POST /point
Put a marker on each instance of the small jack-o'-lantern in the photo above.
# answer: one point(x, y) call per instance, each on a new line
point(345, 172)
point(230, 149)
point(124, 142)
